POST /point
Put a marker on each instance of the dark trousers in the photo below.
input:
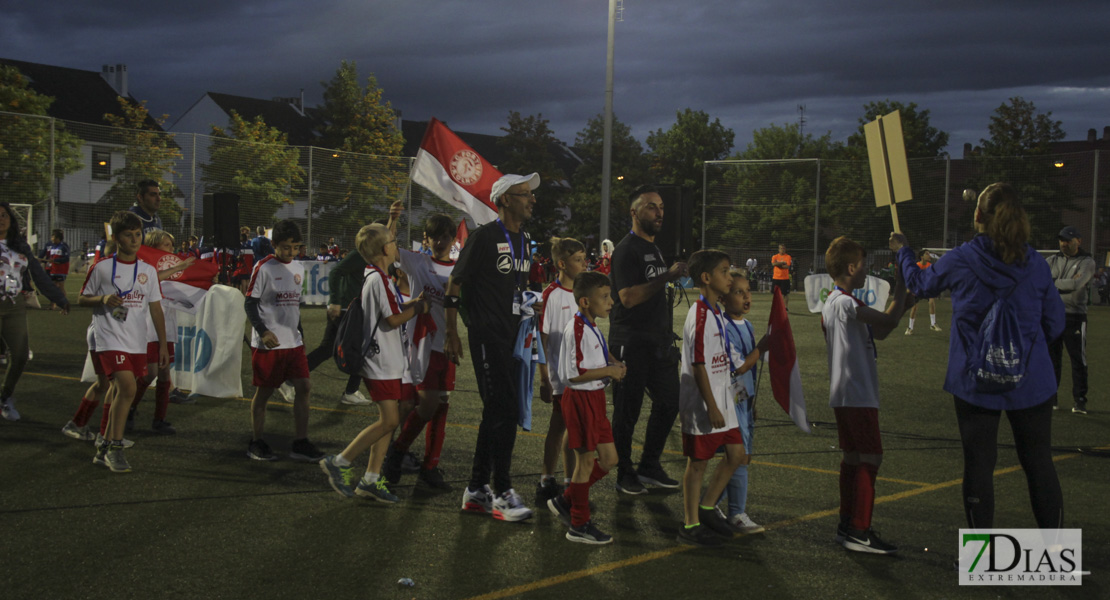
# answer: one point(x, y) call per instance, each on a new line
point(650, 369)
point(496, 372)
point(324, 351)
point(1074, 339)
point(1032, 428)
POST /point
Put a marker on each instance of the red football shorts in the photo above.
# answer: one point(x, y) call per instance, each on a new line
point(440, 376)
point(385, 389)
point(274, 367)
point(584, 413)
point(152, 353)
point(858, 429)
point(703, 447)
point(112, 362)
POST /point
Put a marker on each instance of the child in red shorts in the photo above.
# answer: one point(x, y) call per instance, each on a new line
point(586, 367)
point(277, 343)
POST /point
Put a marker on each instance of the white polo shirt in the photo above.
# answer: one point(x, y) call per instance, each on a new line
point(140, 282)
point(853, 372)
point(380, 300)
point(581, 349)
point(704, 342)
point(278, 286)
point(558, 310)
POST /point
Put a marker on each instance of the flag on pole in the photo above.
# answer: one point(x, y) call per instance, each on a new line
point(452, 170)
point(461, 233)
point(782, 358)
point(183, 289)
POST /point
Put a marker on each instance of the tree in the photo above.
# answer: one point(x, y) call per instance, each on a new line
point(1018, 130)
point(678, 155)
point(25, 143)
point(921, 138)
point(528, 143)
point(254, 160)
point(149, 153)
point(630, 168)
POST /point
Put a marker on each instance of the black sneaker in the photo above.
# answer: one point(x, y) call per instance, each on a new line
point(163, 427)
point(391, 467)
point(656, 476)
point(260, 450)
point(130, 425)
point(547, 489)
point(305, 451)
point(410, 464)
point(629, 483)
point(560, 508)
point(714, 520)
point(699, 535)
point(867, 541)
point(588, 534)
point(179, 397)
point(841, 532)
point(433, 478)
point(1080, 406)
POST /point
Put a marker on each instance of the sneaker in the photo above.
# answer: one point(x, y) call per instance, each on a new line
point(78, 433)
point(355, 399)
point(715, 520)
point(547, 489)
point(126, 442)
point(745, 524)
point(3, 360)
point(433, 478)
point(560, 508)
point(410, 464)
point(305, 451)
point(8, 411)
point(1080, 406)
point(129, 426)
point(177, 396)
point(339, 477)
point(479, 501)
point(260, 450)
point(30, 354)
point(909, 331)
point(379, 490)
point(101, 456)
point(589, 534)
point(656, 476)
point(115, 460)
point(509, 507)
point(867, 541)
point(699, 535)
point(391, 466)
point(629, 483)
point(935, 328)
point(841, 532)
point(163, 427)
point(287, 392)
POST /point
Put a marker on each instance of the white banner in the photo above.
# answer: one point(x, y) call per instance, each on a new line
point(315, 288)
point(209, 353)
point(874, 292)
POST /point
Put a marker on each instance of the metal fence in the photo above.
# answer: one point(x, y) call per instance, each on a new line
point(751, 206)
point(75, 175)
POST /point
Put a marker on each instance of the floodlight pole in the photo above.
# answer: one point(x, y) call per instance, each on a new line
point(607, 144)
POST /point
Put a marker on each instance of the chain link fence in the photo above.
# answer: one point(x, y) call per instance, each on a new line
point(752, 206)
point(75, 175)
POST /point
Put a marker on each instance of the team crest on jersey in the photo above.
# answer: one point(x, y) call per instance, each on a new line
point(297, 279)
point(504, 248)
point(142, 278)
point(504, 264)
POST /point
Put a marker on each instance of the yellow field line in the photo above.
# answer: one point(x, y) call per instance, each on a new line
point(658, 554)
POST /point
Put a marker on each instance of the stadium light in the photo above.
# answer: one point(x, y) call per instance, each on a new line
point(1058, 164)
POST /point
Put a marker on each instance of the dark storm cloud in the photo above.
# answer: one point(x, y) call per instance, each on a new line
point(748, 63)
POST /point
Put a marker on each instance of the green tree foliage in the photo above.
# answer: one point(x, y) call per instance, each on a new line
point(149, 153)
point(1017, 129)
point(528, 144)
point(921, 138)
point(356, 185)
point(630, 168)
point(679, 154)
point(25, 143)
point(254, 160)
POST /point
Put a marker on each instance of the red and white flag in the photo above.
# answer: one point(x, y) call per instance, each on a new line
point(184, 289)
point(782, 358)
point(452, 170)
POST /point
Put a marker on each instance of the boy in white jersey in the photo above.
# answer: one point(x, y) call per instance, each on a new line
point(586, 367)
point(277, 342)
point(705, 402)
point(851, 329)
point(431, 374)
point(124, 294)
point(382, 371)
point(559, 307)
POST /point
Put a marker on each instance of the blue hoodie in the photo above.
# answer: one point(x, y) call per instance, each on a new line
point(976, 276)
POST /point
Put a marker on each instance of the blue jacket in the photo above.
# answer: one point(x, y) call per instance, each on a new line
point(976, 276)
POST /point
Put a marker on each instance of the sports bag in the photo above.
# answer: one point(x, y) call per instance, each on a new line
point(1000, 355)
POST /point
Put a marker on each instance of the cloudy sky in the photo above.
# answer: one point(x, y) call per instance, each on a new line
point(749, 63)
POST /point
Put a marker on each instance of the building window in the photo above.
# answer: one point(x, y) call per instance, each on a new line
point(101, 164)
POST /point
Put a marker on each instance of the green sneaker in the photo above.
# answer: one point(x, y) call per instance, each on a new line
point(339, 477)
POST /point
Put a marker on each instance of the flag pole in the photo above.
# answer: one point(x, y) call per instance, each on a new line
point(607, 144)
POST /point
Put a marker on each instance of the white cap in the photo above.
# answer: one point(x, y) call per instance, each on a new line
point(507, 181)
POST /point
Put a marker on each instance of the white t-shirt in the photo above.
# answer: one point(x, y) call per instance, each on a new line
point(751, 264)
point(558, 310)
point(853, 373)
point(12, 265)
point(378, 302)
point(140, 281)
point(703, 341)
point(429, 275)
point(171, 326)
point(582, 349)
point(277, 286)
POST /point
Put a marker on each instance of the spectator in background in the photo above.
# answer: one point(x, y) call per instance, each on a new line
point(147, 201)
point(56, 260)
point(537, 275)
point(605, 263)
point(332, 247)
point(751, 264)
point(1072, 270)
point(323, 254)
point(1103, 285)
point(302, 253)
point(781, 278)
point(261, 245)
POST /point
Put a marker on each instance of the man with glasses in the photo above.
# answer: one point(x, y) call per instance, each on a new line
point(490, 276)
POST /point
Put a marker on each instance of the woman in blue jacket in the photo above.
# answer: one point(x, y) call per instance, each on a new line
point(977, 273)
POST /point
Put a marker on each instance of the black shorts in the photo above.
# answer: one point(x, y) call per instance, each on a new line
point(782, 284)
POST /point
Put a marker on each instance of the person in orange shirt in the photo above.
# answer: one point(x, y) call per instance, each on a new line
point(781, 277)
point(924, 261)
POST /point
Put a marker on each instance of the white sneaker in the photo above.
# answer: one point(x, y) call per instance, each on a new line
point(509, 507)
point(126, 442)
point(78, 433)
point(479, 501)
point(355, 399)
point(935, 328)
point(8, 410)
point(909, 331)
point(746, 524)
point(287, 392)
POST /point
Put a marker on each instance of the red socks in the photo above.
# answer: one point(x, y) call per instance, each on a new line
point(85, 411)
point(847, 490)
point(865, 495)
point(597, 474)
point(412, 427)
point(104, 419)
point(162, 398)
point(433, 437)
point(140, 388)
point(578, 495)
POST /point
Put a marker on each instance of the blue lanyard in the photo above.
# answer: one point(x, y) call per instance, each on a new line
point(721, 330)
point(604, 346)
point(134, 276)
point(512, 249)
point(870, 333)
